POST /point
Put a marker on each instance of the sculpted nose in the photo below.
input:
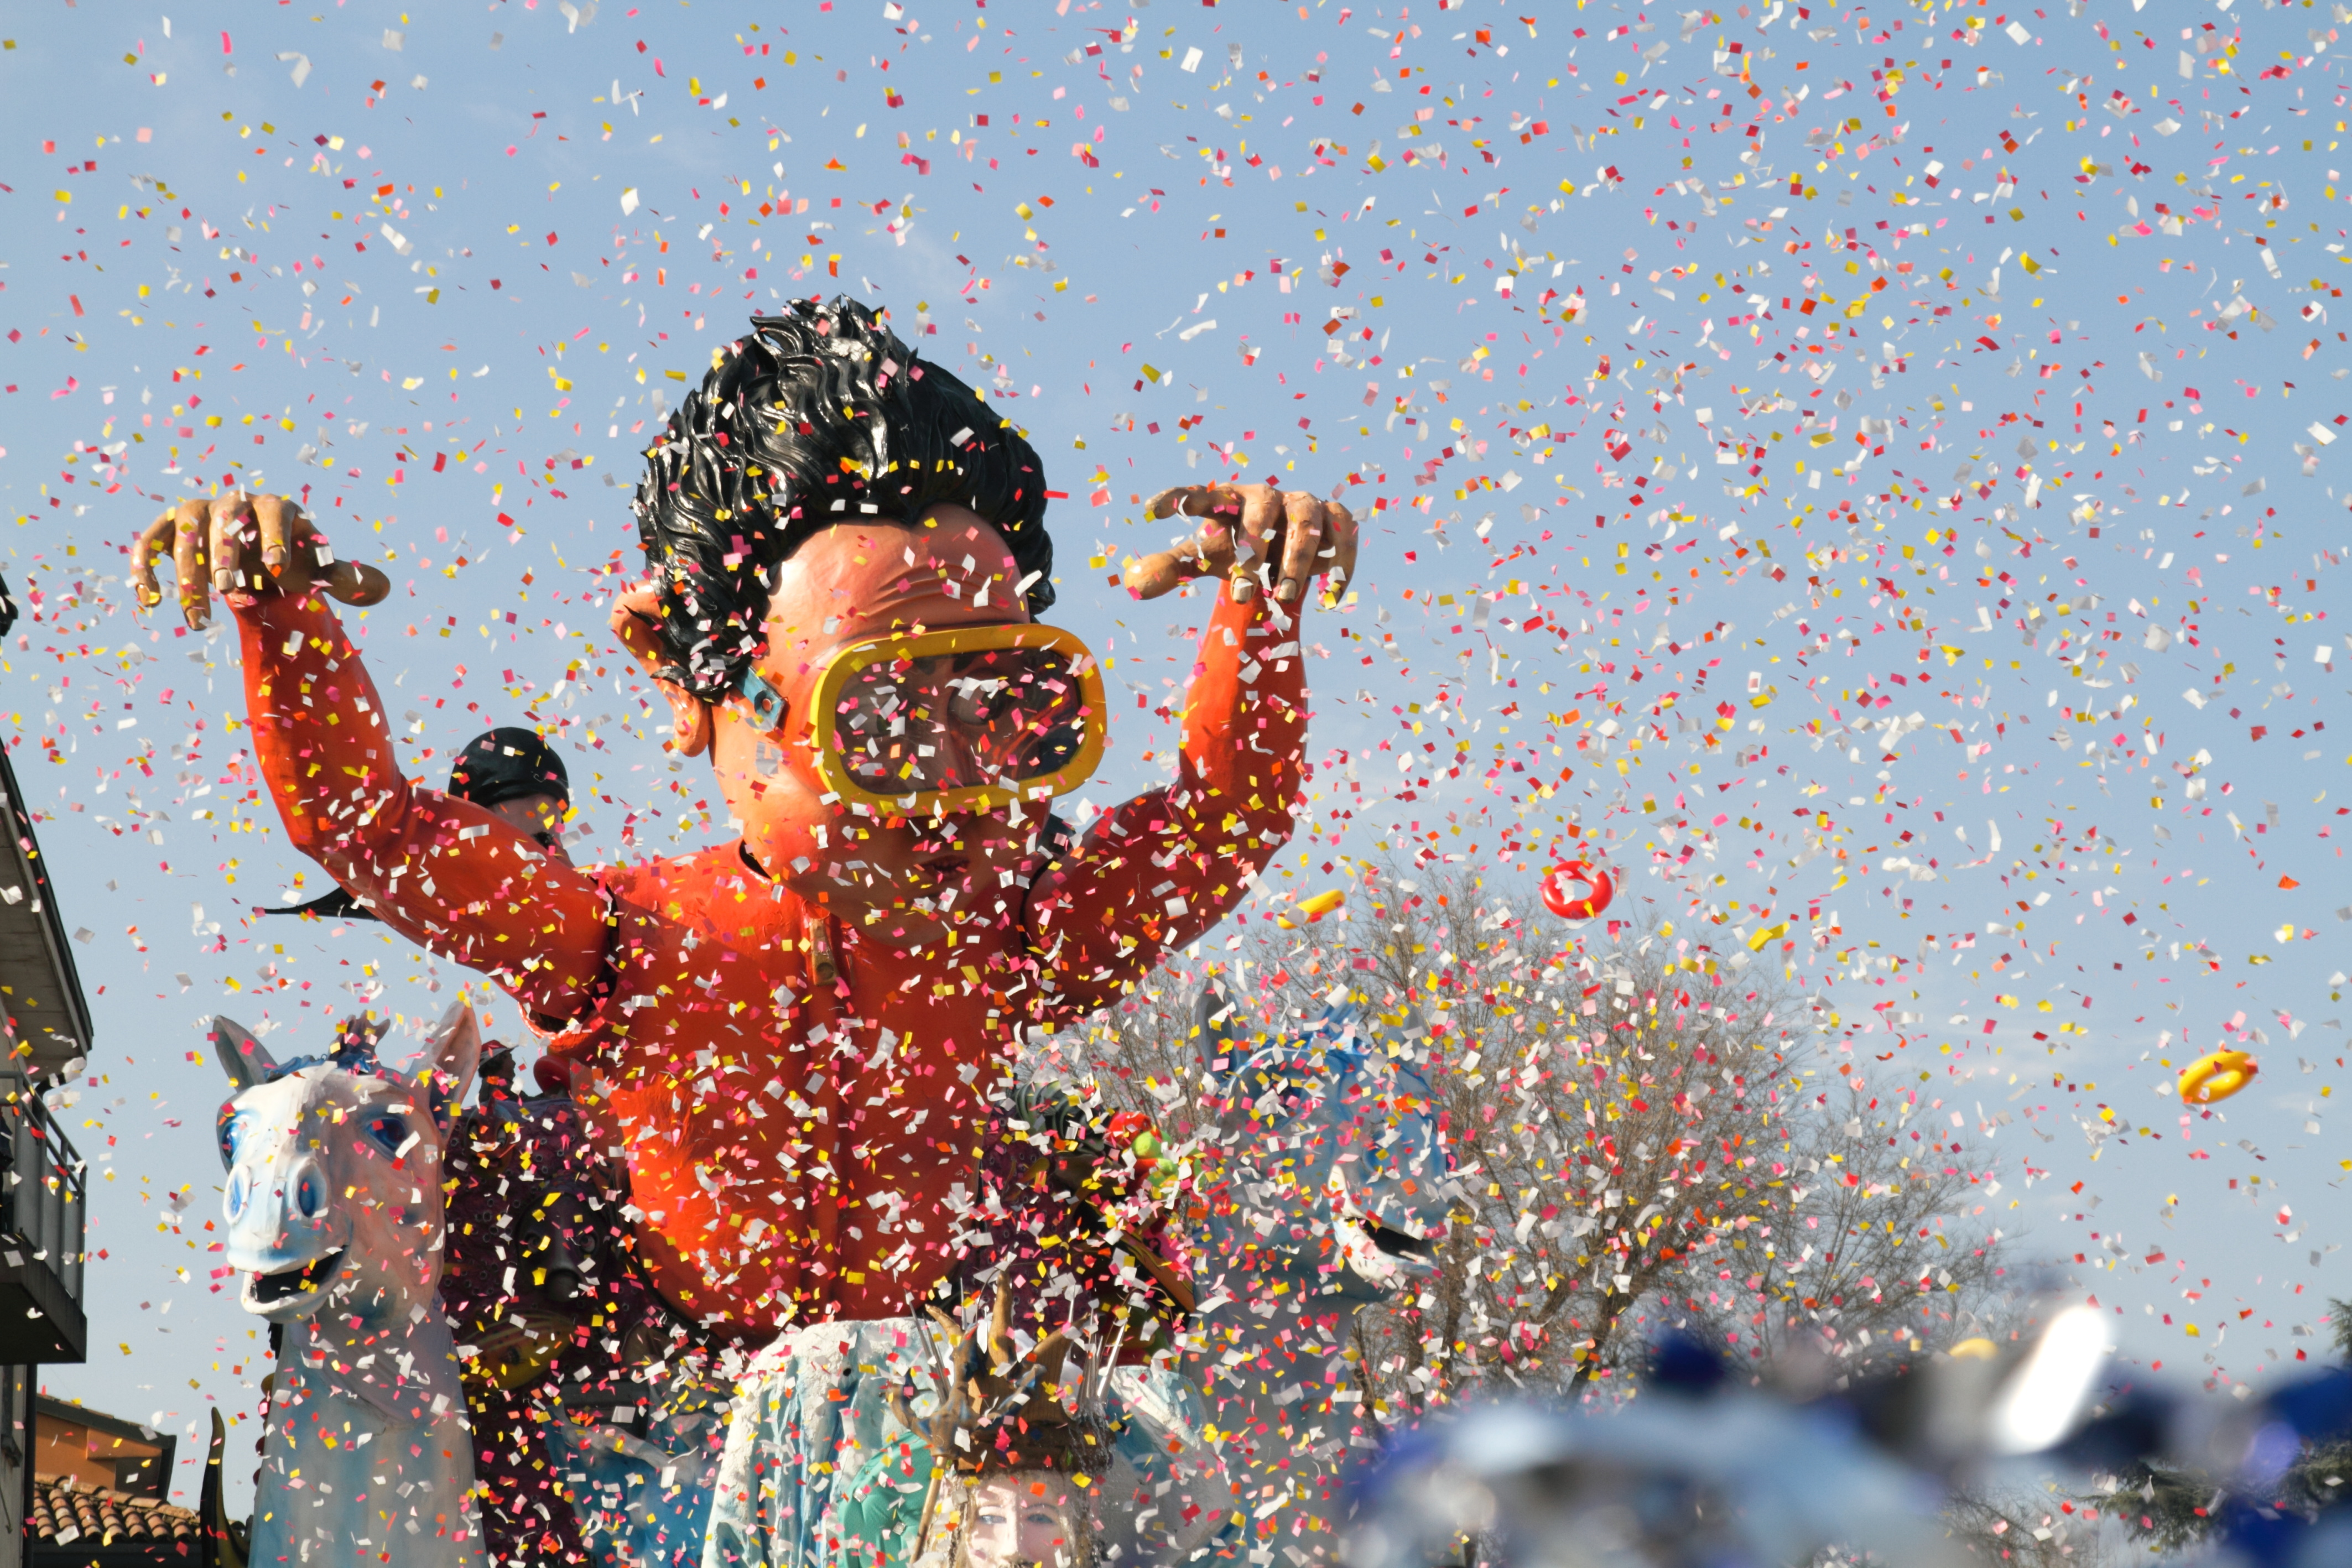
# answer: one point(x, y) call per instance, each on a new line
point(293, 1197)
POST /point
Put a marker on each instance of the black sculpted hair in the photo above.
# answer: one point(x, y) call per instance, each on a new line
point(820, 416)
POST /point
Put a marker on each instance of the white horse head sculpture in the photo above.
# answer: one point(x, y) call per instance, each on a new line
point(335, 1223)
point(334, 1188)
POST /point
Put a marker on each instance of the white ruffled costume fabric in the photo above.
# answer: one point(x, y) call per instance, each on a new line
point(817, 1474)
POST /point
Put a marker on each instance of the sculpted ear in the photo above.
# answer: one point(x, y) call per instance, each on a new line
point(452, 1052)
point(245, 1058)
point(636, 621)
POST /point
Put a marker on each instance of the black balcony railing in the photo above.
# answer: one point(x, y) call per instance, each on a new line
point(43, 1214)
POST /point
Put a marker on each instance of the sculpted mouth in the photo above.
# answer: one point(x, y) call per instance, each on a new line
point(288, 1284)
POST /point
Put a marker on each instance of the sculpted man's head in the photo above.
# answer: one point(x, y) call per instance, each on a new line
point(821, 490)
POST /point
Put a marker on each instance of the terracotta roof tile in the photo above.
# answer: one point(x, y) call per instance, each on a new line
point(64, 1514)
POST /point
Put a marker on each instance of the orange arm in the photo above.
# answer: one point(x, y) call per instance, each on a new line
point(440, 871)
point(1160, 870)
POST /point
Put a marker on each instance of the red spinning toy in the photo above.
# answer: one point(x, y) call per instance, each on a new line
point(1599, 890)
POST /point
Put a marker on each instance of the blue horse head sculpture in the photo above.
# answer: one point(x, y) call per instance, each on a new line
point(1330, 1172)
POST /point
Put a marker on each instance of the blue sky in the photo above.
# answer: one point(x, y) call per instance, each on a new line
point(439, 271)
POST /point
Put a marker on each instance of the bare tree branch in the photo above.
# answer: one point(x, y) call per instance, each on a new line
point(1646, 1132)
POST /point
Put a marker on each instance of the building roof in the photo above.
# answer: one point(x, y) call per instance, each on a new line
point(64, 1514)
point(90, 1448)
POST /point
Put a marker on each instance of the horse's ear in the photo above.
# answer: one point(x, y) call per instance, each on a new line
point(451, 1052)
point(245, 1058)
point(1213, 1032)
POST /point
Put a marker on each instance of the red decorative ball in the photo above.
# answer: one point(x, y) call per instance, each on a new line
point(1599, 889)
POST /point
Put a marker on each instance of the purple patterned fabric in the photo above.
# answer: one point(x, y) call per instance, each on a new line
point(539, 1287)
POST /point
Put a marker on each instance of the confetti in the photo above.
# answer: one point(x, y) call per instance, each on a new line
point(1853, 480)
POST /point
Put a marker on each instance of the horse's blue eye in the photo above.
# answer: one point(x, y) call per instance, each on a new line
point(388, 1132)
point(231, 1129)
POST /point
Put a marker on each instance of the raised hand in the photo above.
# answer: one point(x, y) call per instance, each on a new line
point(249, 546)
point(1256, 536)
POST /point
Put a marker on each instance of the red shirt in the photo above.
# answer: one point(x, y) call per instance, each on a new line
point(797, 1146)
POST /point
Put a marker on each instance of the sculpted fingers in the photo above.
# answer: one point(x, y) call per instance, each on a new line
point(1337, 560)
point(281, 522)
point(190, 527)
point(1255, 540)
point(1259, 536)
point(1148, 576)
point(311, 560)
point(234, 566)
point(154, 542)
point(245, 545)
point(1209, 550)
point(1197, 501)
point(1302, 540)
point(354, 583)
point(1191, 500)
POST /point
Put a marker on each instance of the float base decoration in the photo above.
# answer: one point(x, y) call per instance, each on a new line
point(811, 1416)
point(834, 1457)
point(906, 1439)
point(641, 1487)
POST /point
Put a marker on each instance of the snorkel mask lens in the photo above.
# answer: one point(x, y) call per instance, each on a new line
point(967, 719)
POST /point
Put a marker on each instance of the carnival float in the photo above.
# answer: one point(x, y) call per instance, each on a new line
point(782, 1263)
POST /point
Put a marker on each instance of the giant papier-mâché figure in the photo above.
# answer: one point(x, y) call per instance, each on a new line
point(799, 1029)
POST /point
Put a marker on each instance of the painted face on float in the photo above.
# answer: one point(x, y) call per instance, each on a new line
point(1024, 1519)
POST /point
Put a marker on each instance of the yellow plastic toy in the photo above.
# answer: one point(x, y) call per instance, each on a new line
point(2216, 1077)
point(1314, 909)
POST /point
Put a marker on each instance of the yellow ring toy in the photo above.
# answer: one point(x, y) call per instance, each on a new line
point(2216, 1077)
